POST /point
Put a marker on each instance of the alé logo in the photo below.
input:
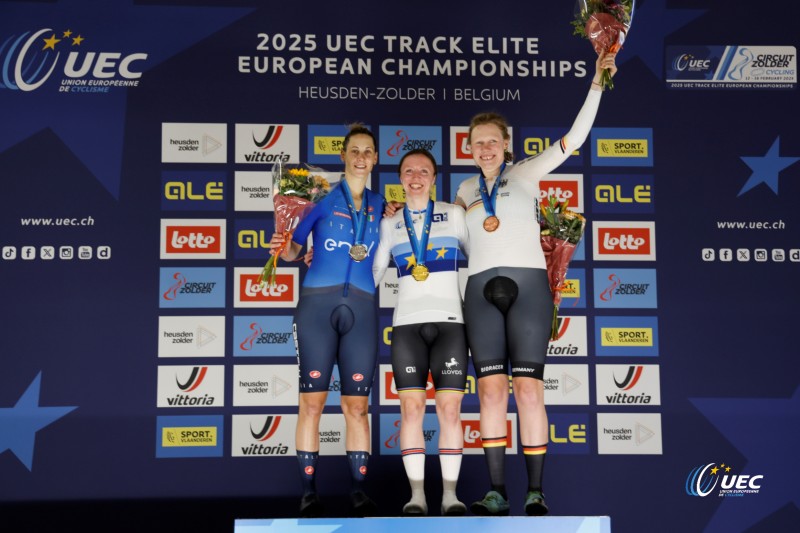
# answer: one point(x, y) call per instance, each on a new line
point(30, 59)
point(704, 479)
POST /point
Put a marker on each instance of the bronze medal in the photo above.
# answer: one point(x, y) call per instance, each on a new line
point(491, 223)
point(358, 252)
point(420, 272)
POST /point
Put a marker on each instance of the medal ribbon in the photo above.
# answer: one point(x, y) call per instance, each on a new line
point(489, 203)
point(359, 218)
point(419, 246)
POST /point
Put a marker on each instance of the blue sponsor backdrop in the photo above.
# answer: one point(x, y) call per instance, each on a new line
point(88, 170)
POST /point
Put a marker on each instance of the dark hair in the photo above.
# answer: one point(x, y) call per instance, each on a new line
point(419, 151)
point(358, 129)
point(495, 119)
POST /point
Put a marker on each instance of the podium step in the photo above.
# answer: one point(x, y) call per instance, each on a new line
point(434, 524)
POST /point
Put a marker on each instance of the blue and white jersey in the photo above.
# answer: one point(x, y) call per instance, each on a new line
point(438, 298)
point(332, 228)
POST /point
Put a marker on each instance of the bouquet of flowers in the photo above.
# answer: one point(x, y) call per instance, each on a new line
point(605, 23)
point(561, 231)
point(295, 190)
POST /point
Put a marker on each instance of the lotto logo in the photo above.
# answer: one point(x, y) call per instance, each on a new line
point(627, 241)
point(193, 239)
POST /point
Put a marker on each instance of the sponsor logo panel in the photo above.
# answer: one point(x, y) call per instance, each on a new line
point(629, 434)
point(625, 288)
point(193, 191)
point(263, 435)
point(188, 238)
point(569, 433)
point(191, 287)
point(390, 434)
point(622, 194)
point(194, 143)
point(189, 436)
point(249, 292)
point(325, 144)
point(252, 191)
point(395, 141)
point(622, 147)
point(731, 67)
point(191, 386)
point(265, 385)
point(626, 335)
point(565, 187)
point(263, 336)
point(624, 241)
point(572, 339)
point(566, 384)
point(252, 238)
point(191, 336)
point(267, 143)
point(628, 385)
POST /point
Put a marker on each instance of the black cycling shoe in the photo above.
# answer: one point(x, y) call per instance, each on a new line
point(310, 506)
point(363, 505)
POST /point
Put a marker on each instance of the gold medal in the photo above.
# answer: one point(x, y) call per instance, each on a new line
point(420, 272)
point(491, 223)
point(358, 252)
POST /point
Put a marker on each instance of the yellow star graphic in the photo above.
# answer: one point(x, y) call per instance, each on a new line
point(51, 42)
point(728, 469)
point(67, 33)
point(714, 470)
point(77, 40)
point(440, 253)
point(411, 261)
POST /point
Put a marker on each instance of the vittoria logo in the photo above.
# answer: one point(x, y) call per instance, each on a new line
point(269, 428)
point(267, 143)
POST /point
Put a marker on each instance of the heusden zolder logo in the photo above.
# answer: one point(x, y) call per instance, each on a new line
point(705, 479)
point(31, 58)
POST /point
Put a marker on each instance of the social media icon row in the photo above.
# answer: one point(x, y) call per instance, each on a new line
point(745, 255)
point(48, 253)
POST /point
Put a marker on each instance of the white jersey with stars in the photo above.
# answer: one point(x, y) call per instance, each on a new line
point(438, 298)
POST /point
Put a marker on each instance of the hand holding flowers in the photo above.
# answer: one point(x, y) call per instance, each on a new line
point(295, 191)
point(561, 231)
point(606, 24)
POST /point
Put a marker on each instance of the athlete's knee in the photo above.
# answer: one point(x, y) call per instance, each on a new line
point(311, 407)
point(355, 407)
point(449, 412)
point(528, 392)
point(412, 410)
point(495, 393)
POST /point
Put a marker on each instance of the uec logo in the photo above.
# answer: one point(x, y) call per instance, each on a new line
point(702, 481)
point(103, 65)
